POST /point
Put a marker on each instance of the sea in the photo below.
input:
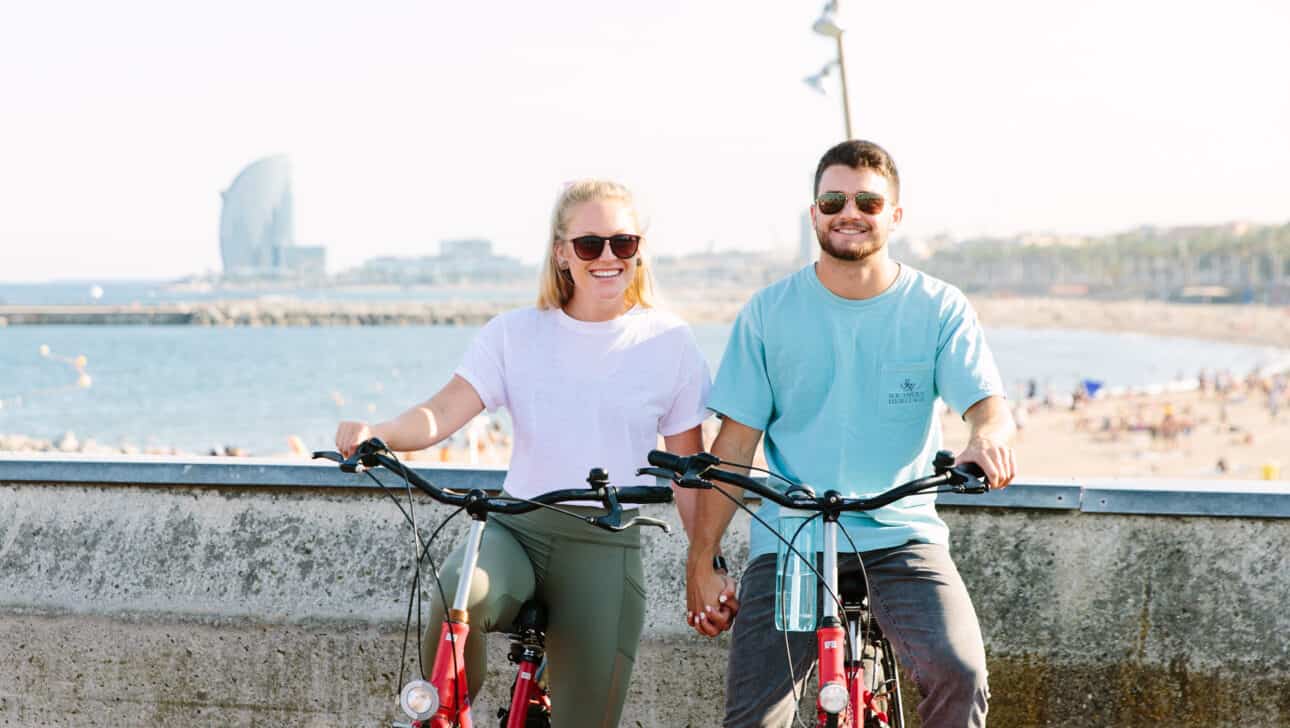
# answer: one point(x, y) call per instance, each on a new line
point(199, 390)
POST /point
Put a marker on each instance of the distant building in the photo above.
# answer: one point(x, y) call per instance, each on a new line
point(722, 269)
point(459, 261)
point(808, 244)
point(257, 225)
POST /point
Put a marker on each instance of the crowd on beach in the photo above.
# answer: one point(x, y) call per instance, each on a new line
point(1165, 422)
point(1217, 424)
point(483, 442)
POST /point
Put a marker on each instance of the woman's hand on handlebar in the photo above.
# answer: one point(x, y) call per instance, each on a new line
point(349, 434)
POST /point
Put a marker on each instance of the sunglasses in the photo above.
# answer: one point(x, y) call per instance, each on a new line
point(831, 203)
point(590, 247)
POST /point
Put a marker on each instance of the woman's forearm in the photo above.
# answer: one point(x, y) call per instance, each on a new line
point(432, 421)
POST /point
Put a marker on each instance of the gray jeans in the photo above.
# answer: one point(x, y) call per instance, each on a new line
point(924, 610)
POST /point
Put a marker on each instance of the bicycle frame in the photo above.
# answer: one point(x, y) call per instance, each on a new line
point(836, 668)
point(444, 700)
point(829, 643)
point(448, 675)
point(842, 701)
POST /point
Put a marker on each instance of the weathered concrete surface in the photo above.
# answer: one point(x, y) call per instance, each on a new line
point(1130, 619)
point(130, 605)
point(250, 606)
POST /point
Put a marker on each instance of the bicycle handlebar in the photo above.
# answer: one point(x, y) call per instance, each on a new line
point(374, 453)
point(694, 471)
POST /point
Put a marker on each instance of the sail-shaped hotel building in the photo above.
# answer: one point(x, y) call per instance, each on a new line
point(257, 228)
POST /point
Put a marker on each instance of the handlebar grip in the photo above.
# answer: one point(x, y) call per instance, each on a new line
point(971, 469)
point(644, 494)
point(664, 459)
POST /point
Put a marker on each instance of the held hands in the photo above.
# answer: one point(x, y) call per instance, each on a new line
point(349, 435)
point(995, 458)
point(710, 597)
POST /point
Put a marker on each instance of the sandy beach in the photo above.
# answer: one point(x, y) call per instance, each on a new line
point(1233, 436)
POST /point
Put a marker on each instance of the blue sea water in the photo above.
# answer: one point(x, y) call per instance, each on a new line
point(198, 388)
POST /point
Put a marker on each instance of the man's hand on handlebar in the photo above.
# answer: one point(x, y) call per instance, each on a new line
point(996, 459)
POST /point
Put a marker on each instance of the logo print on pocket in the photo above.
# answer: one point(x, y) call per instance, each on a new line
point(908, 393)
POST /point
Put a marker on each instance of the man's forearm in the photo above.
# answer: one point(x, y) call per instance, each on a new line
point(990, 442)
point(990, 419)
point(711, 517)
point(714, 510)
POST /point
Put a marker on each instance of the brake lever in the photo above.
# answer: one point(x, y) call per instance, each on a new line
point(689, 481)
point(685, 480)
point(347, 465)
point(806, 490)
point(969, 478)
point(646, 521)
point(612, 521)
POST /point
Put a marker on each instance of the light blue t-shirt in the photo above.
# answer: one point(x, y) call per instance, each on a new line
point(844, 391)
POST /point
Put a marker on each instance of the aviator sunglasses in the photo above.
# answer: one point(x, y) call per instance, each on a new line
point(589, 247)
point(831, 203)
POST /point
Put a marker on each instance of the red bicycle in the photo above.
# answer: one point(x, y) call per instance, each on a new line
point(858, 676)
point(442, 701)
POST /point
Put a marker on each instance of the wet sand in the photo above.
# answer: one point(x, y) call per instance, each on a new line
point(1244, 323)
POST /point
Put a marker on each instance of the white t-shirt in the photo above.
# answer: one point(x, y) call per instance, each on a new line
point(587, 395)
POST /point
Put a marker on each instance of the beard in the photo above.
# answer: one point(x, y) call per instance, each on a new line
point(853, 253)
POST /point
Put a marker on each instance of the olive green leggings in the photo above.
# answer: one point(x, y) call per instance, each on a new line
point(591, 581)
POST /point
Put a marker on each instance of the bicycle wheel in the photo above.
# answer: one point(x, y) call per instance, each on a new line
point(882, 678)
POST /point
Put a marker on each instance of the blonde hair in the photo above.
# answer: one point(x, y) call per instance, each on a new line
point(555, 286)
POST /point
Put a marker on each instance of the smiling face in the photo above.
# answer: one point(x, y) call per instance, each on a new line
point(601, 283)
point(850, 234)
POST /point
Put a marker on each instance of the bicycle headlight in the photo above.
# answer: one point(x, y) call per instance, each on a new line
point(419, 699)
point(833, 698)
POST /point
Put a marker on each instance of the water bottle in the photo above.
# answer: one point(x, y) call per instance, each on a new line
point(794, 579)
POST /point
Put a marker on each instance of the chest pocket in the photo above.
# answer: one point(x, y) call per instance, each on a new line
point(905, 392)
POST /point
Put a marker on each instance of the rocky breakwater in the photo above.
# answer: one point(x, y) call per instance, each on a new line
point(259, 313)
point(297, 313)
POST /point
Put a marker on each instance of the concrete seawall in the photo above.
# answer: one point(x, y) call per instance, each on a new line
point(213, 592)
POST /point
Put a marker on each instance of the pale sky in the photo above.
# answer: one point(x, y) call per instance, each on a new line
point(410, 122)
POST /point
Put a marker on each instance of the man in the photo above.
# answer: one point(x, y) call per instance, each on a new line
point(840, 365)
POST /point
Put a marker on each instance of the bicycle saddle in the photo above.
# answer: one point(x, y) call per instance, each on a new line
point(851, 588)
point(532, 616)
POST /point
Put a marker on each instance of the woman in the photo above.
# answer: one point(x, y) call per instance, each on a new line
point(591, 376)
